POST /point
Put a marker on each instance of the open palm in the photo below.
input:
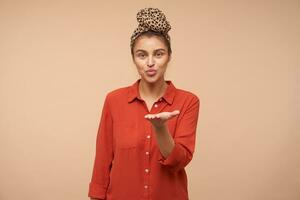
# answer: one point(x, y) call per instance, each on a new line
point(159, 119)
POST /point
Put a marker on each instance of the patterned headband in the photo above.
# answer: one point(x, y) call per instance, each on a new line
point(151, 19)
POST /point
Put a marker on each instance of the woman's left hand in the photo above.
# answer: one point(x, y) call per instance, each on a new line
point(158, 120)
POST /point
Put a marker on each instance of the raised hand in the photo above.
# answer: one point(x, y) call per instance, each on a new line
point(158, 120)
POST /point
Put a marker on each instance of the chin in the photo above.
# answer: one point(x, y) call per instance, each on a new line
point(152, 79)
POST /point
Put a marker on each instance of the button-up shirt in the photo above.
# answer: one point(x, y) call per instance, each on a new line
point(128, 164)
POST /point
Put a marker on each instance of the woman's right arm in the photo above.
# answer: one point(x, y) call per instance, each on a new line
point(104, 155)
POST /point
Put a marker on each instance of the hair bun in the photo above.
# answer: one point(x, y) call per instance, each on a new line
point(153, 19)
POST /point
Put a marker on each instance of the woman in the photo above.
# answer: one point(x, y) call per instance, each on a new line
point(147, 130)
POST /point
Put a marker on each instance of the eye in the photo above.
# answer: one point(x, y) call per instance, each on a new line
point(141, 55)
point(159, 54)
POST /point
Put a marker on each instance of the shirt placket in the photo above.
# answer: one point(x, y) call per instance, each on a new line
point(148, 140)
point(146, 169)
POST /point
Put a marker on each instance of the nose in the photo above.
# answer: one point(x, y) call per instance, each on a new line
point(150, 61)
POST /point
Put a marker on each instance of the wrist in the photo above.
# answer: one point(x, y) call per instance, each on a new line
point(161, 127)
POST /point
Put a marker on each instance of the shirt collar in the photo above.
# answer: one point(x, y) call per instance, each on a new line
point(134, 93)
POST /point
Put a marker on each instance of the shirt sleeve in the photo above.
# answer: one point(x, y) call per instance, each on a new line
point(184, 139)
point(103, 156)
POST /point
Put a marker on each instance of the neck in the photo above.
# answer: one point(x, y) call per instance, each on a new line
point(152, 90)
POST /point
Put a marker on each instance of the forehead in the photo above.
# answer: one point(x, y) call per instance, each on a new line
point(149, 43)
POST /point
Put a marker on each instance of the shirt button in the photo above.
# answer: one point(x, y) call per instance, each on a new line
point(148, 136)
point(145, 186)
point(147, 152)
point(146, 170)
point(155, 105)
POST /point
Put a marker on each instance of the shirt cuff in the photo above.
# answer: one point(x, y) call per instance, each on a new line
point(174, 158)
point(97, 191)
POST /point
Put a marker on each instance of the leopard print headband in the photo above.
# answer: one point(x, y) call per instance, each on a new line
point(151, 19)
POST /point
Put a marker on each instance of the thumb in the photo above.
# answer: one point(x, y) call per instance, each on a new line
point(174, 113)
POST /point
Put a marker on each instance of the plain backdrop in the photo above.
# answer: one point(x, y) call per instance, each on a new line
point(58, 59)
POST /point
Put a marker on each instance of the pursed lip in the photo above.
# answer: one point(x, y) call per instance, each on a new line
point(151, 70)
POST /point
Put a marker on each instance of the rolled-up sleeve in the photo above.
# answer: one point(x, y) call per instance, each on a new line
point(185, 136)
point(103, 156)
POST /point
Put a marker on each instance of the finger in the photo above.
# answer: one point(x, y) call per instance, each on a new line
point(157, 117)
point(174, 113)
point(147, 116)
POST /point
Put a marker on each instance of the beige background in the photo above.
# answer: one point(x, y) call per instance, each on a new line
point(58, 59)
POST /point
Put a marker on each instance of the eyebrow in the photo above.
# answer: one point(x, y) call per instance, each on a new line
point(154, 50)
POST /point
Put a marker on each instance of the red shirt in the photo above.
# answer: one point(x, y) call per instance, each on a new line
point(128, 164)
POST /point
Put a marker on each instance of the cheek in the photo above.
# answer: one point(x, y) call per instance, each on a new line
point(138, 63)
point(163, 64)
point(139, 66)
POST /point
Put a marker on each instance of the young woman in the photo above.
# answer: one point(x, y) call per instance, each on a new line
point(146, 136)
